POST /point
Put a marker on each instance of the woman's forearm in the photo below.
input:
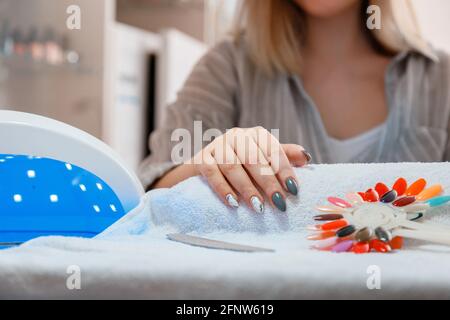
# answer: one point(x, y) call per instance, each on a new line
point(175, 176)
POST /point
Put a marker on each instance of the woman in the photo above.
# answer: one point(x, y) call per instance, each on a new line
point(313, 70)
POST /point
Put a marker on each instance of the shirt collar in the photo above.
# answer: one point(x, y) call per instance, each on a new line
point(425, 49)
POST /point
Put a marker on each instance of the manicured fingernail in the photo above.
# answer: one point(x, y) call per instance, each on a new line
point(278, 201)
point(307, 156)
point(232, 200)
point(257, 205)
point(291, 186)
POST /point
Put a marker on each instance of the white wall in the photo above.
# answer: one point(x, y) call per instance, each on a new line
point(153, 17)
point(433, 16)
point(180, 53)
point(126, 90)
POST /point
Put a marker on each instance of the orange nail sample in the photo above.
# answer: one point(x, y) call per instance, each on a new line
point(430, 192)
point(322, 235)
point(396, 243)
point(380, 246)
point(372, 196)
point(416, 188)
point(381, 189)
point(400, 186)
point(333, 225)
point(361, 247)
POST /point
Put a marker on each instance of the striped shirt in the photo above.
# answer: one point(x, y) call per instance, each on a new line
point(225, 90)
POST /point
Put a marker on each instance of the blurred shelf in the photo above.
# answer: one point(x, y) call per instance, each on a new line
point(26, 66)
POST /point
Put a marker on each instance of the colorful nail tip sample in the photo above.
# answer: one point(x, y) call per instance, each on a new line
point(400, 186)
point(328, 217)
point(322, 235)
point(330, 209)
point(404, 201)
point(339, 202)
point(389, 196)
point(430, 192)
point(380, 246)
point(383, 234)
point(346, 231)
point(361, 247)
point(343, 246)
point(381, 189)
point(354, 198)
point(415, 216)
point(363, 235)
point(334, 225)
point(396, 243)
point(416, 188)
point(439, 201)
point(372, 221)
point(325, 244)
point(371, 196)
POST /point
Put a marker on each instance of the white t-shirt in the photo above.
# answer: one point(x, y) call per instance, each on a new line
point(344, 151)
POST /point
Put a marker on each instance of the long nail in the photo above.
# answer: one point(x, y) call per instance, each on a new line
point(232, 201)
point(278, 201)
point(257, 205)
point(307, 156)
point(291, 186)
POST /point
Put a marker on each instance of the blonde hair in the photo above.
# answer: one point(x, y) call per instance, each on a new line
point(274, 28)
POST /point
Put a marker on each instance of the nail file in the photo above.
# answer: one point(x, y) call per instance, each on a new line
point(213, 244)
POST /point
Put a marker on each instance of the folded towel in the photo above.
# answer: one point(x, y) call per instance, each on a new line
point(192, 206)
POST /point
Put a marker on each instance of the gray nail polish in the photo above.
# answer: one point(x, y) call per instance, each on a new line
point(291, 186)
point(307, 156)
point(278, 201)
point(232, 200)
point(257, 205)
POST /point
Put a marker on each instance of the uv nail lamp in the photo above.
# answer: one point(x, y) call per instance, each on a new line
point(58, 180)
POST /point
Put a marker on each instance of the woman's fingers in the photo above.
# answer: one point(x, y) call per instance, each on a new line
point(279, 161)
point(296, 154)
point(260, 169)
point(210, 170)
point(245, 161)
point(232, 169)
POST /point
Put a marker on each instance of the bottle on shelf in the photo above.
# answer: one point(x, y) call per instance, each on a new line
point(19, 44)
point(7, 41)
point(36, 48)
point(53, 49)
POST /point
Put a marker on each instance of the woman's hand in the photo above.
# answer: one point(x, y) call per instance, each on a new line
point(242, 162)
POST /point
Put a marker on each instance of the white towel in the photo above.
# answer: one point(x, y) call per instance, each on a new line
point(192, 206)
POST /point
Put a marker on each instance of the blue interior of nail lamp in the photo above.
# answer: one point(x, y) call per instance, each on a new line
point(42, 197)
